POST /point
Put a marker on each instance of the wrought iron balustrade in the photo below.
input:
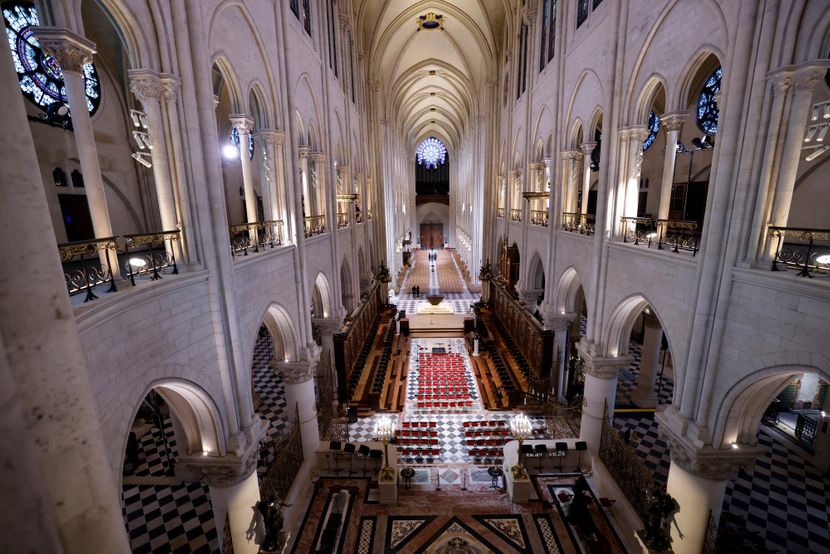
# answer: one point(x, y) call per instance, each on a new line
point(576, 222)
point(570, 222)
point(639, 229)
point(342, 220)
point(149, 253)
point(539, 217)
point(83, 269)
point(516, 215)
point(254, 235)
point(807, 250)
point(314, 225)
point(678, 235)
point(500, 213)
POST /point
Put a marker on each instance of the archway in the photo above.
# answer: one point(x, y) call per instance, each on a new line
point(175, 418)
point(346, 291)
point(570, 302)
point(321, 304)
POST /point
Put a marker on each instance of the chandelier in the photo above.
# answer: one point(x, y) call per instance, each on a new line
point(431, 152)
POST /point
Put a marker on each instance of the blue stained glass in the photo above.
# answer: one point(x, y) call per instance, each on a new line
point(707, 106)
point(431, 152)
point(39, 75)
point(653, 129)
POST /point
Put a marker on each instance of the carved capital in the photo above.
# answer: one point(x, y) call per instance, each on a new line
point(222, 471)
point(318, 157)
point(529, 13)
point(568, 155)
point(71, 51)
point(269, 137)
point(601, 367)
point(673, 121)
point(718, 464)
point(145, 84)
point(588, 148)
point(295, 372)
point(806, 78)
point(345, 24)
point(244, 124)
point(304, 151)
point(170, 85)
point(638, 133)
point(554, 319)
point(327, 326)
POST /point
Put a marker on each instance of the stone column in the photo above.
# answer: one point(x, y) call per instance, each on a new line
point(644, 395)
point(321, 194)
point(697, 481)
point(559, 324)
point(146, 86)
point(59, 492)
point(821, 442)
point(301, 401)
point(72, 52)
point(631, 186)
point(587, 150)
point(267, 140)
point(672, 124)
point(600, 392)
point(571, 174)
point(234, 492)
point(306, 183)
point(328, 328)
point(803, 86)
point(244, 125)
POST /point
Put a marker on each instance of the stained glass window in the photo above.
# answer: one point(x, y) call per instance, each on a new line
point(307, 16)
point(39, 75)
point(551, 29)
point(707, 106)
point(431, 152)
point(295, 7)
point(581, 12)
point(542, 57)
point(653, 129)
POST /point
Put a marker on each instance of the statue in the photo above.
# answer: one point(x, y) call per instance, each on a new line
point(660, 505)
point(486, 271)
point(272, 518)
point(383, 273)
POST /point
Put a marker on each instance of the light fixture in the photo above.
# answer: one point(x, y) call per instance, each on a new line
point(521, 428)
point(144, 158)
point(817, 152)
point(827, 111)
point(811, 133)
point(430, 22)
point(230, 152)
point(205, 452)
point(734, 446)
point(814, 117)
point(138, 263)
point(823, 259)
point(385, 431)
point(139, 118)
point(822, 133)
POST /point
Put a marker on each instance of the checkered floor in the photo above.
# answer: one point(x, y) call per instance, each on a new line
point(178, 517)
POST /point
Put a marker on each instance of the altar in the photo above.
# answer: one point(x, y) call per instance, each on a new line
point(436, 318)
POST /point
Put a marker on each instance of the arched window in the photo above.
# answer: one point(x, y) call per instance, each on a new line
point(707, 106)
point(39, 75)
point(653, 129)
point(431, 153)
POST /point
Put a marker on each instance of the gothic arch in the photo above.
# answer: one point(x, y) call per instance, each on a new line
point(739, 414)
point(321, 297)
point(567, 291)
point(280, 327)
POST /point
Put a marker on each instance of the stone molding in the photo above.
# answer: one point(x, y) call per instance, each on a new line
point(588, 148)
point(222, 471)
point(328, 325)
point(568, 155)
point(304, 151)
point(71, 51)
point(673, 121)
point(601, 367)
point(145, 84)
point(243, 123)
point(170, 85)
point(554, 319)
point(318, 157)
point(295, 373)
point(717, 464)
point(638, 133)
point(270, 136)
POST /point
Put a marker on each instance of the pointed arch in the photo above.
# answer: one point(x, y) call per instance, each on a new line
point(280, 327)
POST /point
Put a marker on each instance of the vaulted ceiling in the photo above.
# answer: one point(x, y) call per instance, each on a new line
point(431, 80)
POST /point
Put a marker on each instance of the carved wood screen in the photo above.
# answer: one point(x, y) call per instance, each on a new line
point(534, 342)
point(348, 344)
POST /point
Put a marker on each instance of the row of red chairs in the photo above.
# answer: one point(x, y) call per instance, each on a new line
point(487, 442)
point(417, 433)
point(486, 423)
point(444, 394)
point(419, 452)
point(486, 433)
point(404, 441)
point(416, 424)
point(485, 452)
point(445, 404)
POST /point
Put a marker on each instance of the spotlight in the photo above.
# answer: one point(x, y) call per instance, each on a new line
point(811, 134)
point(230, 152)
point(134, 117)
point(814, 117)
point(821, 134)
point(823, 259)
point(734, 446)
point(142, 139)
point(827, 111)
point(143, 158)
point(817, 152)
point(137, 263)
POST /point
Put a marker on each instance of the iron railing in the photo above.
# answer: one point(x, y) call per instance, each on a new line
point(255, 235)
point(575, 222)
point(314, 225)
point(516, 215)
point(152, 260)
point(288, 458)
point(664, 233)
point(539, 217)
point(83, 269)
point(342, 220)
point(807, 250)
